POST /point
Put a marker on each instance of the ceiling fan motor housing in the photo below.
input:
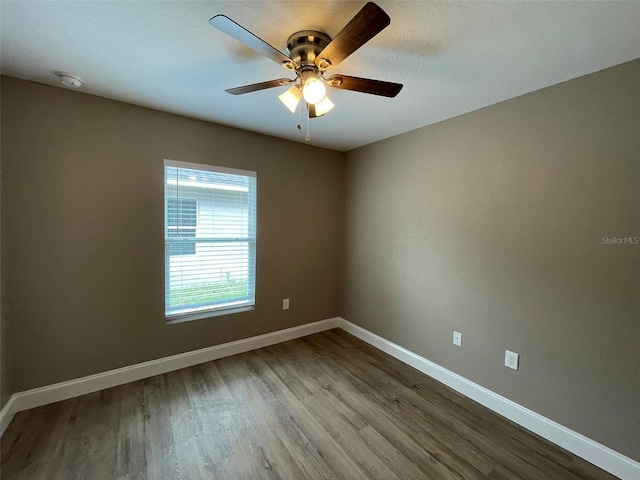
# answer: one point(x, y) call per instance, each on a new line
point(303, 47)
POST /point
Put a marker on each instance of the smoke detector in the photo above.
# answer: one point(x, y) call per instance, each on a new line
point(69, 80)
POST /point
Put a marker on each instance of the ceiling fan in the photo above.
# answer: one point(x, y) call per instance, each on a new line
point(310, 54)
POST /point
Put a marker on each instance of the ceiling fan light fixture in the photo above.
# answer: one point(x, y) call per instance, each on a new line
point(291, 97)
point(309, 54)
point(323, 106)
point(313, 90)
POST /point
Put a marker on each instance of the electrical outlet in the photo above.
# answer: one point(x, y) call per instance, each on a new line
point(457, 339)
point(511, 360)
point(285, 304)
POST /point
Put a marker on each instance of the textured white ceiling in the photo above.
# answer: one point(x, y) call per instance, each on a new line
point(452, 57)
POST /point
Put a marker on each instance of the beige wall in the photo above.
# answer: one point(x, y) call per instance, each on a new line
point(4, 357)
point(491, 224)
point(83, 250)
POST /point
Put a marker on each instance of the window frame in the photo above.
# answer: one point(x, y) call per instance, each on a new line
point(220, 307)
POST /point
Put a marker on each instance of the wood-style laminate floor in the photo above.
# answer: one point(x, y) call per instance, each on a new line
point(327, 406)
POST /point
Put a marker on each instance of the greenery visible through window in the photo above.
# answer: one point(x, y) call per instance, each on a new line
point(210, 240)
point(208, 293)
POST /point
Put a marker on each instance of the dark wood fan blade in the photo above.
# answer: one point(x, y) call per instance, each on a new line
point(311, 108)
point(367, 23)
point(365, 85)
point(234, 30)
point(259, 86)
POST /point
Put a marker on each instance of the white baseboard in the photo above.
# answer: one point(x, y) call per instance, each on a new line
point(93, 383)
point(6, 415)
point(592, 451)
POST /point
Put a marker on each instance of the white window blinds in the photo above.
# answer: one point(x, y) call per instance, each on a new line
point(210, 239)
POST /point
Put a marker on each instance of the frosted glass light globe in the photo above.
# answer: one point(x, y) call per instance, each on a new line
point(313, 91)
point(291, 98)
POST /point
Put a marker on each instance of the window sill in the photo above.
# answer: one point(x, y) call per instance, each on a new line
point(187, 317)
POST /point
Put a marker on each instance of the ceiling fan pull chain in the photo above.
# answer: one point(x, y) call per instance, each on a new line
point(308, 137)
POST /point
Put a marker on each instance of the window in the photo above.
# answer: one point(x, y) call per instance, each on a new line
point(181, 223)
point(210, 240)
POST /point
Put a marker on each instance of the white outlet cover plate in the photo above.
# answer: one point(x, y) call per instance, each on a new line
point(285, 304)
point(511, 360)
point(457, 339)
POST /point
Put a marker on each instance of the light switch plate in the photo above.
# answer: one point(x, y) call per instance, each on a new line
point(285, 304)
